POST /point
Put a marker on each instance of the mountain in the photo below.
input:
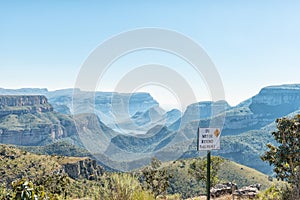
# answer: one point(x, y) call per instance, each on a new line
point(276, 101)
point(204, 110)
point(128, 129)
point(142, 143)
point(82, 178)
point(262, 109)
point(30, 120)
point(111, 107)
point(24, 91)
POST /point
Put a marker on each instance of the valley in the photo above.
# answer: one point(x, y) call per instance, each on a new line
point(124, 131)
point(88, 137)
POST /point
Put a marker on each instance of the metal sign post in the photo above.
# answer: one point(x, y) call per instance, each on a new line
point(208, 176)
point(207, 140)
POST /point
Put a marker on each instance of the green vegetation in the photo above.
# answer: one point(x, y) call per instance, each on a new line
point(170, 180)
point(29, 121)
point(198, 169)
point(285, 156)
point(26, 174)
point(123, 186)
point(61, 148)
point(242, 175)
point(247, 147)
point(156, 179)
point(24, 190)
point(275, 192)
point(186, 177)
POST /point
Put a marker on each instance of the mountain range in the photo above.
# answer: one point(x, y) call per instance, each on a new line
point(124, 131)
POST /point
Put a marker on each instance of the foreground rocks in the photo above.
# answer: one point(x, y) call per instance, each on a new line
point(223, 189)
point(247, 191)
point(231, 188)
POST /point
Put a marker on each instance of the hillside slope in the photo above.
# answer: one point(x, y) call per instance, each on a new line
point(16, 163)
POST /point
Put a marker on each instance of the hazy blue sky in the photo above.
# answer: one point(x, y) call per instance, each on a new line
point(252, 43)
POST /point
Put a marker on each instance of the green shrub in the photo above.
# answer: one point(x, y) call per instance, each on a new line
point(155, 178)
point(125, 187)
point(5, 193)
point(276, 192)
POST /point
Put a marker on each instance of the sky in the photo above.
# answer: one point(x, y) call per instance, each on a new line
point(253, 44)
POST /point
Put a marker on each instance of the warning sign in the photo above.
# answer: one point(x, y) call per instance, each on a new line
point(208, 139)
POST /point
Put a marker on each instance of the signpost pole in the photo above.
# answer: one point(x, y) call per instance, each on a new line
point(208, 139)
point(208, 176)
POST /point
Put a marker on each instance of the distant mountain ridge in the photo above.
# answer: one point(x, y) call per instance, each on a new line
point(121, 123)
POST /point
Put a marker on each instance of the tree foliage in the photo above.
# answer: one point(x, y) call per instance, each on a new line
point(285, 157)
point(156, 178)
point(198, 169)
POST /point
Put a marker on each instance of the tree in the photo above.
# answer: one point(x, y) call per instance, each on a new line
point(198, 169)
point(285, 157)
point(156, 177)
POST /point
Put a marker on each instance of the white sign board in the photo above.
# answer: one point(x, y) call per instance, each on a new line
point(208, 139)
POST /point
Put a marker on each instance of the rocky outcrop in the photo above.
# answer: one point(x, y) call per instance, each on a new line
point(248, 191)
point(276, 100)
point(37, 135)
point(204, 110)
point(14, 104)
point(84, 169)
point(270, 103)
point(223, 189)
point(30, 120)
point(231, 188)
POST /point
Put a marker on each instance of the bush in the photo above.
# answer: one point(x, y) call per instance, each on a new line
point(155, 178)
point(123, 186)
point(276, 193)
point(5, 193)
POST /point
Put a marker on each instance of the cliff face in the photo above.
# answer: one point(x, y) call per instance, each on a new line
point(85, 169)
point(262, 109)
point(277, 100)
point(203, 110)
point(30, 120)
point(16, 163)
point(13, 104)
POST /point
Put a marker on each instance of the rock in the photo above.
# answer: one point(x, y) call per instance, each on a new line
point(223, 189)
point(30, 120)
point(204, 110)
point(277, 100)
point(248, 191)
point(231, 188)
point(84, 169)
point(13, 104)
point(172, 116)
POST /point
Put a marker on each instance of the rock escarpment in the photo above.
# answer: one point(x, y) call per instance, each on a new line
point(30, 120)
point(277, 100)
point(14, 104)
point(204, 110)
point(270, 103)
point(85, 169)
